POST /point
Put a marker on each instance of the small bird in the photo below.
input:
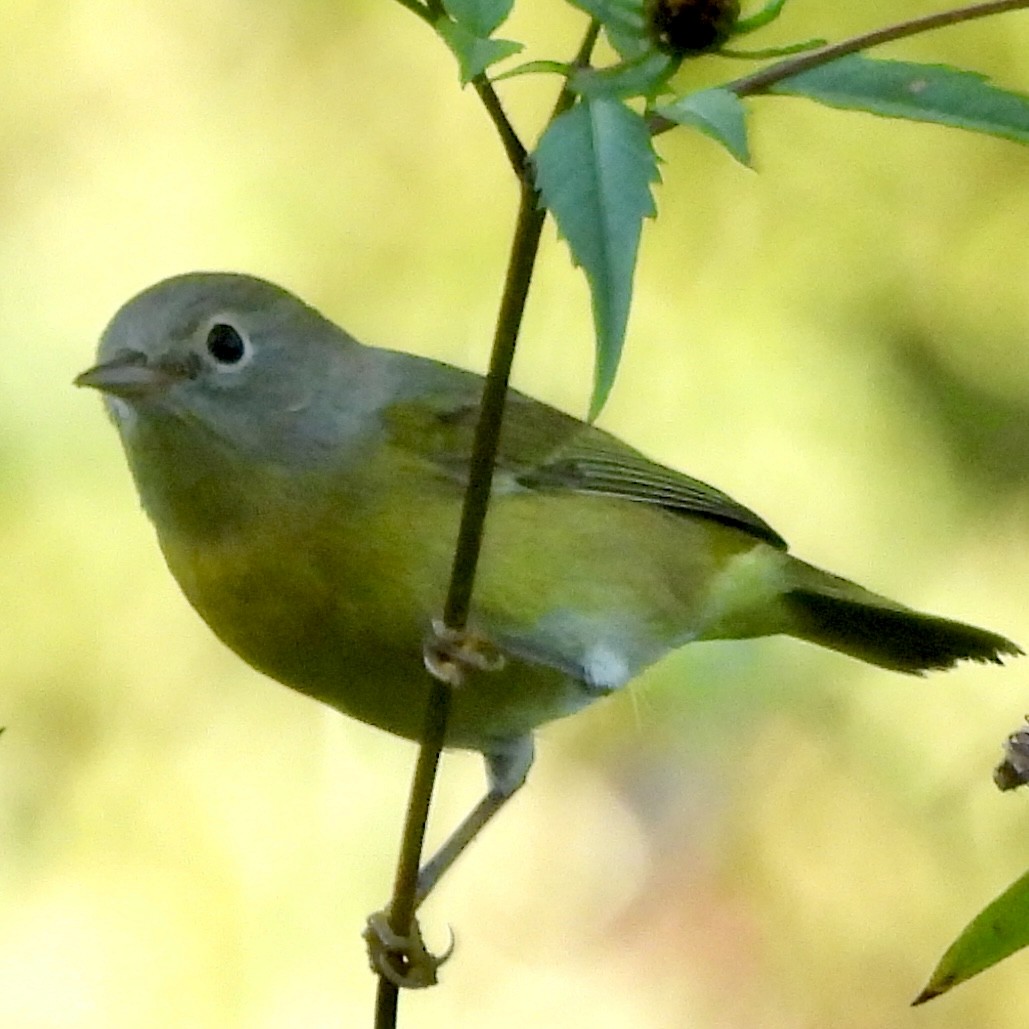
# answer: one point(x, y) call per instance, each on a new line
point(306, 491)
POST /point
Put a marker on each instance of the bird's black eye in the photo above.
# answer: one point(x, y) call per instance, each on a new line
point(225, 344)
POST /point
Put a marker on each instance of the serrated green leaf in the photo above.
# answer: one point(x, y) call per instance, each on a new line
point(643, 77)
point(628, 43)
point(594, 169)
point(474, 54)
point(999, 930)
point(481, 17)
point(918, 92)
point(717, 113)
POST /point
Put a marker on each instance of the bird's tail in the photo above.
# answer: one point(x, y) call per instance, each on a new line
point(839, 614)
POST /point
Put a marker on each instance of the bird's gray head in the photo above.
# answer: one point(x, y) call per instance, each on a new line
point(233, 363)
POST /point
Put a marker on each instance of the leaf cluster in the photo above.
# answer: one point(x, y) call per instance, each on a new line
point(595, 165)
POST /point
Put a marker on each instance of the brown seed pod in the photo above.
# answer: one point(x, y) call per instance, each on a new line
point(1013, 771)
point(685, 27)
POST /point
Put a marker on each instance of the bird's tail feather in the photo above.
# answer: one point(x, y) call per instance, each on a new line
point(882, 633)
point(841, 615)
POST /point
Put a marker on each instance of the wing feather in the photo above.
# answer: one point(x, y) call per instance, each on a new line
point(544, 449)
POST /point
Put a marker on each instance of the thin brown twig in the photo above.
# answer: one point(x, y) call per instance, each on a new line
point(513, 147)
point(525, 246)
point(761, 80)
point(487, 430)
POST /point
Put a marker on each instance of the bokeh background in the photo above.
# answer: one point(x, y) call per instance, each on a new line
point(757, 834)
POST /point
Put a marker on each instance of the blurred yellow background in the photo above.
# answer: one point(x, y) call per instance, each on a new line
point(759, 834)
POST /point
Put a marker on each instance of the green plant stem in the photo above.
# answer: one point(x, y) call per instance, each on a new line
point(513, 147)
point(773, 51)
point(402, 906)
point(759, 19)
point(487, 431)
point(524, 248)
point(387, 998)
point(751, 85)
point(519, 273)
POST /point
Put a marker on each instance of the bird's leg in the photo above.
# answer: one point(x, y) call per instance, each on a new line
point(506, 770)
point(404, 959)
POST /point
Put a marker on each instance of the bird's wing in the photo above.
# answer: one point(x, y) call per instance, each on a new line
point(544, 449)
point(594, 462)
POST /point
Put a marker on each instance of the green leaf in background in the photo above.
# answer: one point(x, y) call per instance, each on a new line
point(717, 113)
point(996, 932)
point(918, 92)
point(481, 17)
point(594, 168)
point(474, 53)
point(534, 68)
point(644, 76)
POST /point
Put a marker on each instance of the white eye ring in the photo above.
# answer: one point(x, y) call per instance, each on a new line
point(227, 345)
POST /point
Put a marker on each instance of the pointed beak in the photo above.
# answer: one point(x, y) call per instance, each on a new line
point(130, 376)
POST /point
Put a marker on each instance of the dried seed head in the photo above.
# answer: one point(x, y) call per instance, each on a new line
point(685, 27)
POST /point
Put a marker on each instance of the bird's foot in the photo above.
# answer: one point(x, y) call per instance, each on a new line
point(403, 960)
point(450, 653)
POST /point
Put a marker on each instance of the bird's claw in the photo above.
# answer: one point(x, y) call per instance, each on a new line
point(403, 960)
point(450, 653)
